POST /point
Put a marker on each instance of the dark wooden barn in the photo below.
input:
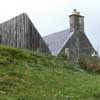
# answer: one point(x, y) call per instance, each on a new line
point(20, 32)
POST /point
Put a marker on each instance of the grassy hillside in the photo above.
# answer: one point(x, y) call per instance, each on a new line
point(28, 75)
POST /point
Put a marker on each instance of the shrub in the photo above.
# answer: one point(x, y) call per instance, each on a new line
point(92, 64)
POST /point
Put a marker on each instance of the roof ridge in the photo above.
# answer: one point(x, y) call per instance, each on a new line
point(56, 33)
point(22, 14)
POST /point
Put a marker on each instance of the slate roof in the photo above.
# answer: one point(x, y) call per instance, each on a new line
point(56, 41)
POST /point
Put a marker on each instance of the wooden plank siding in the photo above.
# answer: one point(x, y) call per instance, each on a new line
point(20, 32)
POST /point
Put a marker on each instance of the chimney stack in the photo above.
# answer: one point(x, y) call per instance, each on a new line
point(76, 22)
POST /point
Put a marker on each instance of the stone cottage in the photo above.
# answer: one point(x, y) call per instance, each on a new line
point(72, 42)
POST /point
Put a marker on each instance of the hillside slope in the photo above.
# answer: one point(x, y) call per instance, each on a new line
point(26, 75)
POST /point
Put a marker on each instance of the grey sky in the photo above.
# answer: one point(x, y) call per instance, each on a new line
point(50, 16)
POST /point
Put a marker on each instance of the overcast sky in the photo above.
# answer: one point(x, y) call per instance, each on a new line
point(50, 16)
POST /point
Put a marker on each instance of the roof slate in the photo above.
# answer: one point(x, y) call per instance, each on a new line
point(56, 41)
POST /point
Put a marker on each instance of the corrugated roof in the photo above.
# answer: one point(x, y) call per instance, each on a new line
point(56, 41)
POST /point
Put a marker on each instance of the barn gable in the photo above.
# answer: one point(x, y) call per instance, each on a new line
point(21, 33)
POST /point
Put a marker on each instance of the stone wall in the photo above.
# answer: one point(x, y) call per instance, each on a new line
point(79, 47)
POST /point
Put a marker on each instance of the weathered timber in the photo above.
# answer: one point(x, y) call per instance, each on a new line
point(20, 32)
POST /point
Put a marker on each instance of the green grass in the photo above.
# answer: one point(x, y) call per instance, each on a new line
point(26, 75)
